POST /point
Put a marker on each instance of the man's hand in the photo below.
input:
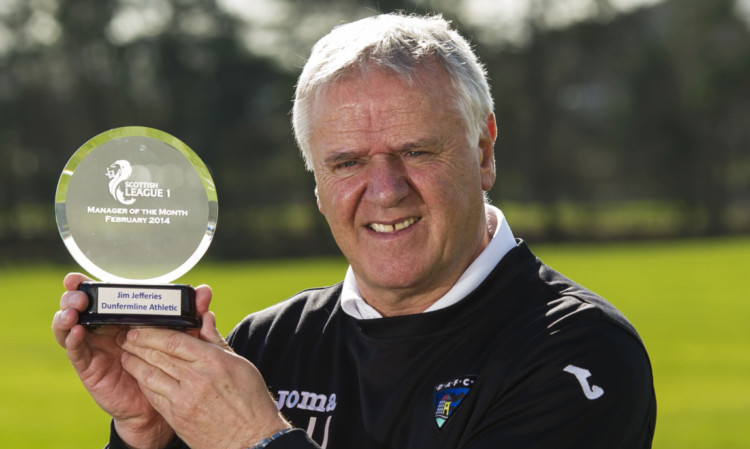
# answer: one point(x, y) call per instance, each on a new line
point(95, 356)
point(208, 394)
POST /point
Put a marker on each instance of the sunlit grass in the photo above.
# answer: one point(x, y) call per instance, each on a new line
point(686, 299)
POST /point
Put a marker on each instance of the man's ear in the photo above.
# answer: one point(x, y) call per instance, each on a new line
point(317, 200)
point(487, 153)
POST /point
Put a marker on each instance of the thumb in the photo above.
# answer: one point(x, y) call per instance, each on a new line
point(211, 334)
point(203, 294)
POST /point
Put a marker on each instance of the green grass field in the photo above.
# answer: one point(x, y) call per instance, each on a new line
point(687, 299)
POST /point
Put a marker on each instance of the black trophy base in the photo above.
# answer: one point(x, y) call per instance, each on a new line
point(167, 305)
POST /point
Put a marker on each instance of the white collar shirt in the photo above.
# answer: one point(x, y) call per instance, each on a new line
point(501, 242)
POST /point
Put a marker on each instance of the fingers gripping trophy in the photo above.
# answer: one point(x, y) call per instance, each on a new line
point(137, 209)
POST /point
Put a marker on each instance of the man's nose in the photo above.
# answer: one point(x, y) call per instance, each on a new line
point(387, 182)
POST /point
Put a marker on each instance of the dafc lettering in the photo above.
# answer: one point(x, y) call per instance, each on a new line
point(305, 400)
point(461, 382)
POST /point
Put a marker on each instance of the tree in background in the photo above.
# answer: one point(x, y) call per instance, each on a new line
point(613, 122)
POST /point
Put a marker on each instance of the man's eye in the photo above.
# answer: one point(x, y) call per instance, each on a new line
point(346, 164)
point(415, 153)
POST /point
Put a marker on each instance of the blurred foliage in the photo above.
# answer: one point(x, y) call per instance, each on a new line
point(613, 123)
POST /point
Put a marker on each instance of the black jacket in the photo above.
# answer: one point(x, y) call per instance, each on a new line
point(530, 359)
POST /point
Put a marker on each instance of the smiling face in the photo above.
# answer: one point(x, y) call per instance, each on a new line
point(400, 186)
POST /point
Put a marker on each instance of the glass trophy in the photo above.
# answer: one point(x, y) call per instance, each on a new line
point(137, 209)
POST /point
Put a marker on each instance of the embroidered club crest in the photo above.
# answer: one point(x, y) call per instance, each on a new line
point(448, 396)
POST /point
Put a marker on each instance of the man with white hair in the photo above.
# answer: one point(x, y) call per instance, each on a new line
point(446, 331)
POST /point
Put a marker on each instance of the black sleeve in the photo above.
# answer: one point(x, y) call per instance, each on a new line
point(296, 439)
point(115, 442)
point(581, 389)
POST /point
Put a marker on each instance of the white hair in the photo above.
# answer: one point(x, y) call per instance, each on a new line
point(400, 44)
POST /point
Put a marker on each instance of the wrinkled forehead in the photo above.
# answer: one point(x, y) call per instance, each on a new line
point(379, 100)
point(427, 79)
point(375, 104)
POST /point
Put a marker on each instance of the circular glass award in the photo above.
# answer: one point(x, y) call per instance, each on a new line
point(137, 208)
